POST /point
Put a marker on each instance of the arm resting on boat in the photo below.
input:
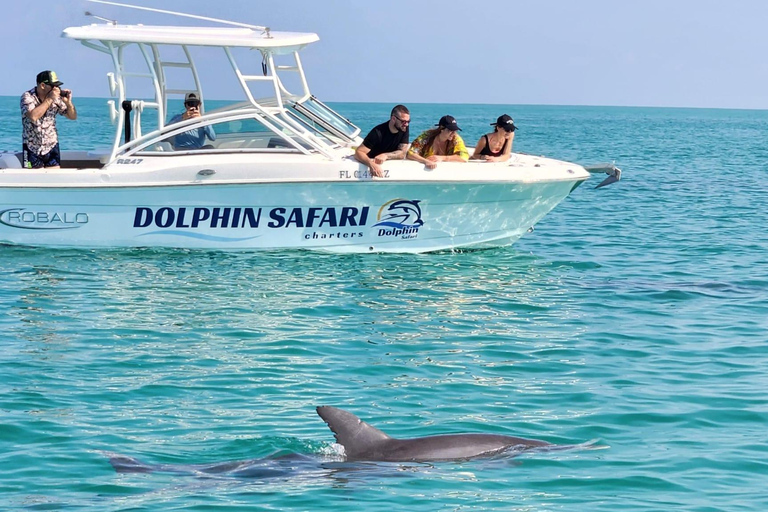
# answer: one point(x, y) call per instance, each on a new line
point(398, 154)
point(412, 155)
point(361, 155)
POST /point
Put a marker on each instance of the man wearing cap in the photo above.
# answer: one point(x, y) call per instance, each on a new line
point(194, 138)
point(387, 141)
point(441, 144)
point(39, 107)
point(497, 146)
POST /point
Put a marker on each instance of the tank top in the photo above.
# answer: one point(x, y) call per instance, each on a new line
point(487, 149)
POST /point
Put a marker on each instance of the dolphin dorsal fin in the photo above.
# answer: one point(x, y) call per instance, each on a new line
point(355, 435)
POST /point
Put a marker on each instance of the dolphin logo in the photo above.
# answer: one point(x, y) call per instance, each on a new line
point(400, 213)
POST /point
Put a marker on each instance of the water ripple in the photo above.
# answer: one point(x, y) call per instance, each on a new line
point(634, 315)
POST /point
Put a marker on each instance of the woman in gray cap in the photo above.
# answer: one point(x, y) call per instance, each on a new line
point(497, 146)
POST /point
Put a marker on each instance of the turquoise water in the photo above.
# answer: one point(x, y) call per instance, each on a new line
point(634, 315)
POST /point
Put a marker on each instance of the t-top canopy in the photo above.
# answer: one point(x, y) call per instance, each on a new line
point(276, 42)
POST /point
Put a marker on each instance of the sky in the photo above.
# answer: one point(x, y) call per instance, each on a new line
point(662, 53)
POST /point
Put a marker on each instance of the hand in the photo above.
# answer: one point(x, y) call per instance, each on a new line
point(430, 164)
point(433, 158)
point(66, 94)
point(190, 114)
point(376, 170)
point(54, 94)
point(380, 159)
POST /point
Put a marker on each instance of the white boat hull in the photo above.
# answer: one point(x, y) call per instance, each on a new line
point(338, 215)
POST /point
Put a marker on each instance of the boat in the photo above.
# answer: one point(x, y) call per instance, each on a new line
point(279, 175)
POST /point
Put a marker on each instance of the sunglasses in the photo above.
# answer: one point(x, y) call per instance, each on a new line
point(403, 121)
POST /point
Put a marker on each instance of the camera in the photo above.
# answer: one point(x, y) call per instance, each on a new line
point(65, 94)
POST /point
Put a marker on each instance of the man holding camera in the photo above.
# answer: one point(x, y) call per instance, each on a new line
point(194, 138)
point(39, 107)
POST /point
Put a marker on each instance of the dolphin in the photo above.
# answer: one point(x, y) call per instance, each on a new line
point(362, 442)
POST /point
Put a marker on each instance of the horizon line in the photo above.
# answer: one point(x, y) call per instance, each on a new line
point(586, 105)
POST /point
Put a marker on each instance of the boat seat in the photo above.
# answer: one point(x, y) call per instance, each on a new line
point(163, 146)
point(277, 142)
point(10, 160)
point(102, 155)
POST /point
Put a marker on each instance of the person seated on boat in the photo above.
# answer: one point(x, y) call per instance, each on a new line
point(497, 146)
point(387, 141)
point(440, 144)
point(194, 138)
point(39, 106)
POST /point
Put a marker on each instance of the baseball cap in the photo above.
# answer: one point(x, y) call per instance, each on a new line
point(505, 122)
point(192, 97)
point(48, 77)
point(448, 122)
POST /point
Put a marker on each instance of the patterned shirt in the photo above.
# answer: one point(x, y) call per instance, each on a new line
point(40, 136)
point(418, 147)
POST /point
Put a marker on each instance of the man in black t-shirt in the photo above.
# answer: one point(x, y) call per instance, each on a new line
point(387, 141)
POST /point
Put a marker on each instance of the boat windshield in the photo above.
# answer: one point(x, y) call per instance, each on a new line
point(321, 114)
point(240, 133)
point(319, 129)
point(332, 128)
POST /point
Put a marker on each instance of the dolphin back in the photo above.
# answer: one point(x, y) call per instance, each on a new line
point(364, 442)
point(356, 436)
point(123, 464)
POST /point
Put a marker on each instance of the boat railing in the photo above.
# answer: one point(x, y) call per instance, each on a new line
point(323, 130)
point(278, 113)
point(275, 117)
point(117, 86)
point(160, 67)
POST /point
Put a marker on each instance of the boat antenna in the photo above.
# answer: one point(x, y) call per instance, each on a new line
point(162, 11)
point(89, 13)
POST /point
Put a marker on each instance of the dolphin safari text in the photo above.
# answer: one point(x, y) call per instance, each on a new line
point(246, 217)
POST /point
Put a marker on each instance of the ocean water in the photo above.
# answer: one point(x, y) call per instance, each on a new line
point(634, 316)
